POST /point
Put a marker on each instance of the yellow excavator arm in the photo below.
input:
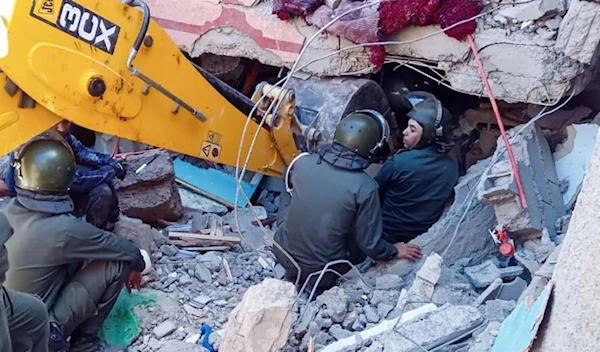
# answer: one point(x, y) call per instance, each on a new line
point(107, 66)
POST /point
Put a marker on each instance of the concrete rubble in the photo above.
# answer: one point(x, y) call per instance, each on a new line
point(534, 52)
point(261, 322)
point(149, 192)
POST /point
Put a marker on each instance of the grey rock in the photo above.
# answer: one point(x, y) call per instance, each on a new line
point(197, 202)
point(484, 341)
point(384, 309)
point(498, 310)
point(339, 333)
point(380, 296)
point(553, 24)
point(511, 272)
point(371, 315)
point(211, 260)
point(169, 250)
point(185, 279)
point(511, 291)
point(388, 281)
point(483, 275)
point(349, 320)
point(307, 318)
point(358, 326)
point(164, 329)
point(327, 323)
point(202, 300)
point(335, 302)
point(375, 347)
point(202, 273)
point(323, 338)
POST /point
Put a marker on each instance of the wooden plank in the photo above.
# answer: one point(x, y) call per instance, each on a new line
point(196, 236)
point(519, 330)
point(206, 249)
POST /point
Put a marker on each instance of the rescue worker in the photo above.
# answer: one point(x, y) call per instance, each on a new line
point(416, 183)
point(92, 192)
point(23, 317)
point(77, 269)
point(334, 211)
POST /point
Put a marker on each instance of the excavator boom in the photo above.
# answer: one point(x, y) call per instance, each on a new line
point(107, 66)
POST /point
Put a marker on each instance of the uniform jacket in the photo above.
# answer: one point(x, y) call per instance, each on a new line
point(334, 207)
point(414, 186)
point(93, 168)
point(49, 245)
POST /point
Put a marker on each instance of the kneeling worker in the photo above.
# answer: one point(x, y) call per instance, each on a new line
point(416, 183)
point(334, 211)
point(92, 190)
point(77, 269)
point(23, 317)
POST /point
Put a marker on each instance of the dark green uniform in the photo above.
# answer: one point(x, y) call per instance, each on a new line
point(414, 186)
point(334, 214)
point(23, 317)
point(77, 269)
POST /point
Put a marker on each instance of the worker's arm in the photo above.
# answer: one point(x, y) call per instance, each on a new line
point(83, 241)
point(85, 179)
point(87, 156)
point(369, 228)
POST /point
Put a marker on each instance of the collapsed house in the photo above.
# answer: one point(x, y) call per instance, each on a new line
point(215, 285)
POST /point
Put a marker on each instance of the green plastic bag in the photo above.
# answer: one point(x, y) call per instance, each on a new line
point(121, 326)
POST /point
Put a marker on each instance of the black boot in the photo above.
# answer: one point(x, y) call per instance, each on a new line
point(57, 343)
point(87, 343)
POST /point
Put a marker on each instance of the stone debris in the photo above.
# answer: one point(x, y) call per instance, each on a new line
point(196, 202)
point(432, 329)
point(498, 309)
point(540, 184)
point(579, 34)
point(164, 329)
point(483, 275)
point(485, 340)
point(152, 193)
point(388, 281)
point(262, 321)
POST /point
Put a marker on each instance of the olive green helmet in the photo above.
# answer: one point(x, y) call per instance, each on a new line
point(45, 165)
point(428, 111)
point(365, 132)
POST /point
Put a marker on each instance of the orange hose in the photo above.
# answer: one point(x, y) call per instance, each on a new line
point(511, 156)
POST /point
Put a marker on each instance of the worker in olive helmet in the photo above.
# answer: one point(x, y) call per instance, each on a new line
point(334, 212)
point(416, 183)
point(77, 269)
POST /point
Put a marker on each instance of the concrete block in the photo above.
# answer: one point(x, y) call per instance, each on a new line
point(152, 193)
point(540, 185)
point(427, 277)
point(197, 202)
point(532, 11)
point(483, 275)
point(432, 329)
point(263, 319)
point(498, 310)
point(511, 291)
point(164, 329)
point(572, 158)
point(490, 293)
point(335, 302)
point(579, 33)
point(471, 240)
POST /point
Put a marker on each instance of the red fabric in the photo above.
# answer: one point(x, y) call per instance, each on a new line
point(454, 11)
point(358, 26)
point(286, 9)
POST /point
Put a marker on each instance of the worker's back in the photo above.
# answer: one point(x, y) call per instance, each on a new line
point(321, 218)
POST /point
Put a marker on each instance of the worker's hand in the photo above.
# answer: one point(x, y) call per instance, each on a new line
point(134, 280)
point(120, 171)
point(408, 251)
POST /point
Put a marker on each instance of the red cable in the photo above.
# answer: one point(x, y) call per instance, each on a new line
point(511, 156)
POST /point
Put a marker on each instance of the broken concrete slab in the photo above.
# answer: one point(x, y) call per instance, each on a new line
point(498, 310)
point(579, 33)
point(152, 193)
point(197, 202)
point(511, 291)
point(432, 329)
point(263, 319)
point(472, 239)
point(335, 303)
point(485, 340)
point(490, 293)
point(164, 329)
point(483, 275)
point(427, 277)
point(540, 185)
point(533, 11)
point(572, 158)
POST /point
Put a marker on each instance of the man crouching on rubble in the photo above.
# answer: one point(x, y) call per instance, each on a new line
point(416, 183)
point(77, 269)
point(92, 191)
point(334, 211)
